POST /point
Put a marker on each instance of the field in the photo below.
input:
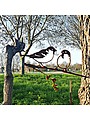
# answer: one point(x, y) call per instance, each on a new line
point(34, 89)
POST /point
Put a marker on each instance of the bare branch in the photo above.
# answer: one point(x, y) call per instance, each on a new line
point(42, 28)
point(35, 27)
point(29, 29)
point(8, 32)
point(9, 20)
point(17, 28)
point(21, 27)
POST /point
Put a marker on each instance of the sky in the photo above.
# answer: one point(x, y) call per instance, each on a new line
point(76, 56)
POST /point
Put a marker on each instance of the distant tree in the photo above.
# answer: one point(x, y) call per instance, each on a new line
point(27, 68)
point(77, 66)
point(65, 29)
point(72, 31)
point(16, 63)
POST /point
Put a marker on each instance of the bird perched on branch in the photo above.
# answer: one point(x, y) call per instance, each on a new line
point(63, 52)
point(42, 53)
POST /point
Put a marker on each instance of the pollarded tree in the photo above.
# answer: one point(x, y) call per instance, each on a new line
point(14, 29)
point(33, 29)
point(26, 27)
point(11, 50)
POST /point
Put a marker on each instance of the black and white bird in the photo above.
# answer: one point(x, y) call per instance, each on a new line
point(43, 54)
point(63, 52)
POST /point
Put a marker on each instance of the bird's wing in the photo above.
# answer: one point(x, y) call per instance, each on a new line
point(39, 54)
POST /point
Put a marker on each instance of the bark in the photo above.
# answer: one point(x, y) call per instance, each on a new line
point(84, 91)
point(22, 65)
point(8, 76)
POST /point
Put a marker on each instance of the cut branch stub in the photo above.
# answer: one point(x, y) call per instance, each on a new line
point(19, 45)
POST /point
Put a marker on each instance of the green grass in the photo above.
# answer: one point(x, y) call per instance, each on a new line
point(34, 89)
point(1, 87)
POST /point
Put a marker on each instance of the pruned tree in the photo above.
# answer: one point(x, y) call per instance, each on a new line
point(14, 30)
point(33, 29)
point(11, 50)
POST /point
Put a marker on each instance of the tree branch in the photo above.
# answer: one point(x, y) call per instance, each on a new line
point(8, 32)
point(9, 20)
point(29, 29)
point(35, 27)
point(17, 28)
point(42, 28)
point(21, 27)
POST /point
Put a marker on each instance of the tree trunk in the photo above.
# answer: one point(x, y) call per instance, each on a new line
point(22, 65)
point(8, 77)
point(84, 91)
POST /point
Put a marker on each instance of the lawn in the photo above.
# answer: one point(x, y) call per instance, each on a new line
point(34, 89)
